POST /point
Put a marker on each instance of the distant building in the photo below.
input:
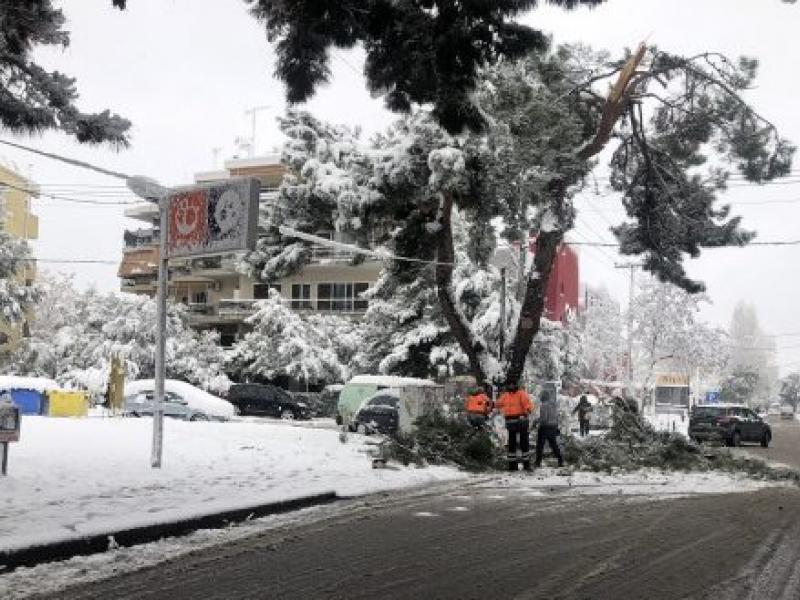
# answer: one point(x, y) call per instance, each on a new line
point(17, 220)
point(563, 288)
point(220, 297)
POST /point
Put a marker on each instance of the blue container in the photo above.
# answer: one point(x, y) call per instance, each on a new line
point(30, 402)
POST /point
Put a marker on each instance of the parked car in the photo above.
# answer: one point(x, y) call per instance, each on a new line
point(141, 404)
point(787, 411)
point(264, 400)
point(730, 424)
point(198, 400)
point(379, 413)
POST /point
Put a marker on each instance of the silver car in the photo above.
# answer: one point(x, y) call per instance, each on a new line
point(141, 405)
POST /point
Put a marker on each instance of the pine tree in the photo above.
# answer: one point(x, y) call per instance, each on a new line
point(418, 52)
point(548, 122)
point(15, 296)
point(35, 99)
point(283, 344)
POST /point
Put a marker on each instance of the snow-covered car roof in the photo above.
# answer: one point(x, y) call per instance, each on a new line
point(196, 398)
point(391, 381)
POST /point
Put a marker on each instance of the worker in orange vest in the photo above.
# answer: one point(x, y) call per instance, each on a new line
point(516, 406)
point(478, 407)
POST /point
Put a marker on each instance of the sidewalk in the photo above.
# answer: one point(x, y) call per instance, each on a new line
point(76, 478)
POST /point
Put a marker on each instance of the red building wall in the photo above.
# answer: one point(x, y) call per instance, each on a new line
point(562, 292)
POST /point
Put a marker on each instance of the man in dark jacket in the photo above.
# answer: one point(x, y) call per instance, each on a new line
point(548, 428)
point(584, 410)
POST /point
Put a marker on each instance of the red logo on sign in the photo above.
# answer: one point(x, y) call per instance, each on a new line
point(188, 221)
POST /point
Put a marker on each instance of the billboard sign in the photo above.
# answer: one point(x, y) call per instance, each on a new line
point(212, 218)
point(712, 397)
point(672, 379)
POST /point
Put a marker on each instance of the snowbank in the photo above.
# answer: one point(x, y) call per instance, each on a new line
point(649, 483)
point(71, 477)
point(669, 422)
point(39, 384)
point(197, 398)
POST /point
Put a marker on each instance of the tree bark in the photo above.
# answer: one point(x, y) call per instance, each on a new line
point(530, 316)
point(445, 256)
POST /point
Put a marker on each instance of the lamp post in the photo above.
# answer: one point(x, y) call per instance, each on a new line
point(152, 191)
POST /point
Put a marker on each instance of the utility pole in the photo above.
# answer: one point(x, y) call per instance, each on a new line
point(522, 266)
point(632, 267)
point(502, 312)
point(253, 112)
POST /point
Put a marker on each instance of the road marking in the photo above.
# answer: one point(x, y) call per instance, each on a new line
point(425, 514)
point(458, 509)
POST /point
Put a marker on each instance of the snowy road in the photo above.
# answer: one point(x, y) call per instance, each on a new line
point(480, 542)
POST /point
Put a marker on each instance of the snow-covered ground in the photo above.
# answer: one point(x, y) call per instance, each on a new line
point(669, 422)
point(72, 477)
point(648, 483)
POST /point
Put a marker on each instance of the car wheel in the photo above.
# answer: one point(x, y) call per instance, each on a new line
point(766, 439)
point(287, 415)
point(736, 439)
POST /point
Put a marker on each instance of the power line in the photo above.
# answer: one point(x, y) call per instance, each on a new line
point(67, 198)
point(69, 161)
point(769, 243)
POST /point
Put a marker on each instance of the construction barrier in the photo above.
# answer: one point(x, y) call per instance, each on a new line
point(68, 404)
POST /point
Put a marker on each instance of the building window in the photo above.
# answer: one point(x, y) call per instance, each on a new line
point(301, 296)
point(261, 290)
point(341, 297)
point(359, 303)
point(200, 298)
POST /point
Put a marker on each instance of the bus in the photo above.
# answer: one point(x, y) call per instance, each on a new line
point(671, 393)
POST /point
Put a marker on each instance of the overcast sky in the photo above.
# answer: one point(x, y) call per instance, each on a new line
point(185, 71)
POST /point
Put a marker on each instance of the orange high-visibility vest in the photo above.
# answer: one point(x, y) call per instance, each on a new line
point(478, 404)
point(514, 404)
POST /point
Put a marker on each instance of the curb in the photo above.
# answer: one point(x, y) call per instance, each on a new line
point(97, 543)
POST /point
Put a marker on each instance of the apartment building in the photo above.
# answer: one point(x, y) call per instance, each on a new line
point(17, 220)
point(220, 297)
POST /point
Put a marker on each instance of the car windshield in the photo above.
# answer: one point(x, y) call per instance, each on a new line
point(382, 401)
point(709, 411)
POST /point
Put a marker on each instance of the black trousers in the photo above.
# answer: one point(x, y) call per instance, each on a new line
point(476, 420)
point(549, 434)
point(584, 423)
point(518, 437)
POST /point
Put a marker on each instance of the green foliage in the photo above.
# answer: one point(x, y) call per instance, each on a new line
point(35, 99)
point(739, 386)
point(790, 389)
point(440, 439)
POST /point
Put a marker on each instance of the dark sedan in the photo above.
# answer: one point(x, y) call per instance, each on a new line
point(378, 414)
point(729, 424)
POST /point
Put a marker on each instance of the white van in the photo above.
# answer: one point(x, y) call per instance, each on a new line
point(361, 387)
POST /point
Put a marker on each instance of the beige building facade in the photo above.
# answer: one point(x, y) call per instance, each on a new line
point(18, 221)
point(217, 294)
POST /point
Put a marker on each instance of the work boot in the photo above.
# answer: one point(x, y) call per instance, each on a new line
point(513, 467)
point(527, 465)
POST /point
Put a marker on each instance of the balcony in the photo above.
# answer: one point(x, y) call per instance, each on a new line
point(214, 266)
point(139, 238)
point(139, 261)
point(236, 309)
